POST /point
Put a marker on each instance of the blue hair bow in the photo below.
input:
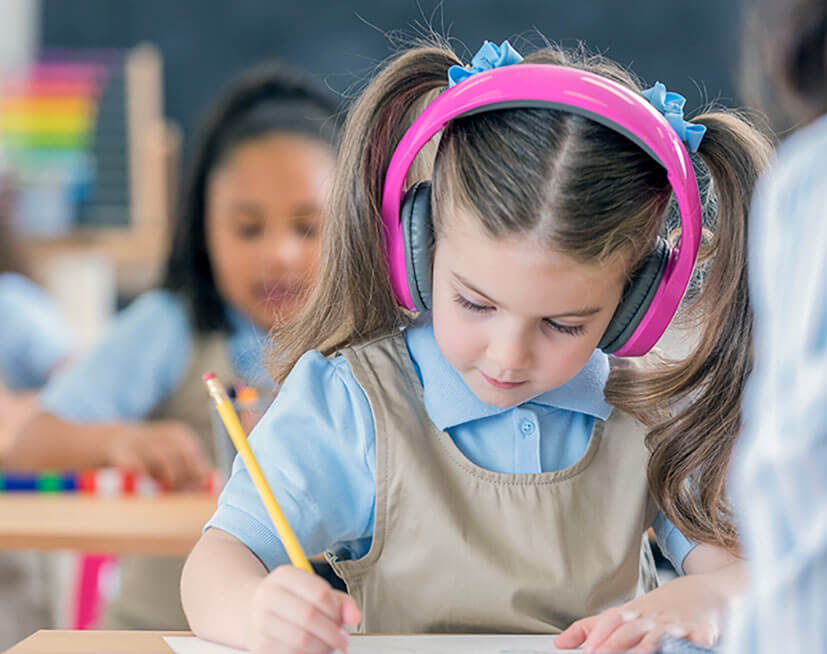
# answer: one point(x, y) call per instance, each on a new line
point(489, 56)
point(671, 106)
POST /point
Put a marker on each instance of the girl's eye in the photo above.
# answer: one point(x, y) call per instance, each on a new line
point(307, 230)
point(248, 232)
point(571, 330)
point(467, 304)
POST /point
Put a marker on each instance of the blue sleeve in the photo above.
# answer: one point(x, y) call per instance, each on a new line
point(672, 543)
point(316, 447)
point(34, 334)
point(138, 363)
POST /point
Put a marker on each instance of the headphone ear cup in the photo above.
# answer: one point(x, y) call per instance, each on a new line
point(636, 299)
point(418, 236)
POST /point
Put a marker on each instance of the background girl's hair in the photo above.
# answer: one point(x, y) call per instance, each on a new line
point(799, 52)
point(12, 257)
point(585, 190)
point(786, 45)
point(272, 98)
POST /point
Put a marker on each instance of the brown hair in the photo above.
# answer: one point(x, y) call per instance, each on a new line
point(12, 258)
point(785, 58)
point(514, 168)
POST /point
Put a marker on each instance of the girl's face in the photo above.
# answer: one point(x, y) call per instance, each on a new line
point(265, 208)
point(514, 318)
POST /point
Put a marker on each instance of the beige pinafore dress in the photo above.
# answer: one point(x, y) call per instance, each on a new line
point(457, 548)
point(149, 596)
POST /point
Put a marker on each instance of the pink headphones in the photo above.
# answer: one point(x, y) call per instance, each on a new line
point(652, 298)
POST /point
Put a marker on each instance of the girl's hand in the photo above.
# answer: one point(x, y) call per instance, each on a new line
point(688, 607)
point(15, 410)
point(167, 450)
point(294, 611)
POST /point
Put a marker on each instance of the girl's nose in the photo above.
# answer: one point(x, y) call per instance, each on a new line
point(284, 250)
point(510, 350)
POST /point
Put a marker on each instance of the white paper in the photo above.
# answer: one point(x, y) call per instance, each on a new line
point(425, 644)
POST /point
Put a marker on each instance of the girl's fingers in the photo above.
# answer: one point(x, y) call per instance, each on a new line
point(606, 624)
point(350, 612)
point(307, 618)
point(297, 637)
point(576, 633)
point(706, 636)
point(627, 635)
point(312, 589)
point(651, 640)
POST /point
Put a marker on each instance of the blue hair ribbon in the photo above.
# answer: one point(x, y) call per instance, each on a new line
point(489, 56)
point(671, 106)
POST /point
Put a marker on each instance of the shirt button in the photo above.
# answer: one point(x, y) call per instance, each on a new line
point(527, 427)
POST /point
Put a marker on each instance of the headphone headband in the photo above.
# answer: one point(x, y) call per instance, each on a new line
point(577, 91)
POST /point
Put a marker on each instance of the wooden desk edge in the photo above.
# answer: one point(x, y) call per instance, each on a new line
point(68, 641)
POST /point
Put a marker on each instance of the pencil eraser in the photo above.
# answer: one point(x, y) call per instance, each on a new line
point(207, 376)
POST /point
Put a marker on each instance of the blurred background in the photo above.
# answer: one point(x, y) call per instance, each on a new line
point(100, 100)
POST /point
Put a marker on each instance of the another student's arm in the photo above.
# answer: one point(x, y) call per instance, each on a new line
point(167, 450)
point(92, 410)
point(229, 597)
point(692, 607)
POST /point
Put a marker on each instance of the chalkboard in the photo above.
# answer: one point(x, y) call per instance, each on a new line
point(691, 46)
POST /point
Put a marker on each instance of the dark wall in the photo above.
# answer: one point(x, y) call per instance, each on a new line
point(691, 46)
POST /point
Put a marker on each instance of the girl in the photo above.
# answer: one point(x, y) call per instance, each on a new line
point(485, 469)
point(243, 253)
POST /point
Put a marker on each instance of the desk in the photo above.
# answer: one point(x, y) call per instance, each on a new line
point(167, 525)
point(96, 642)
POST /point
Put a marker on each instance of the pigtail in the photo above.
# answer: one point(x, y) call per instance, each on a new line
point(352, 300)
point(691, 446)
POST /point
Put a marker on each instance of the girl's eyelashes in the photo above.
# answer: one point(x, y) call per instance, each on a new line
point(570, 330)
point(471, 306)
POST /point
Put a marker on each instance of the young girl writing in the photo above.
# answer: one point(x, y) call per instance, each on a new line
point(244, 251)
point(490, 468)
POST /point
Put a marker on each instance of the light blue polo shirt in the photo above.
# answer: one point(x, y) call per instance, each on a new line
point(34, 334)
point(317, 447)
point(141, 361)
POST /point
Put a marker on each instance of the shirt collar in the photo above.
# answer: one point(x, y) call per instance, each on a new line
point(449, 402)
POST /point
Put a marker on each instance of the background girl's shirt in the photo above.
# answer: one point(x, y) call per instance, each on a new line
point(141, 361)
point(34, 335)
point(316, 445)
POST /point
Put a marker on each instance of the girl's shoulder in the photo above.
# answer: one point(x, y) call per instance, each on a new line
point(157, 303)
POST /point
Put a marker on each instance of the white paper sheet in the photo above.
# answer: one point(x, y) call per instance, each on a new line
point(428, 644)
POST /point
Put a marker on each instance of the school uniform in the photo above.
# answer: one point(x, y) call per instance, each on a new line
point(34, 334)
point(34, 339)
point(148, 367)
point(446, 514)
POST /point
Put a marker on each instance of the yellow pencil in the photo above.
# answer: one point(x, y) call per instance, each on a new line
point(234, 428)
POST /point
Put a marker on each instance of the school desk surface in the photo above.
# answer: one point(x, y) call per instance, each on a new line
point(96, 642)
point(166, 525)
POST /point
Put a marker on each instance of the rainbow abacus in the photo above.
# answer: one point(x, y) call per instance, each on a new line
point(61, 158)
point(103, 482)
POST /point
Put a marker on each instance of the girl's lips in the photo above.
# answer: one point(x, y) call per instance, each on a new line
point(496, 383)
